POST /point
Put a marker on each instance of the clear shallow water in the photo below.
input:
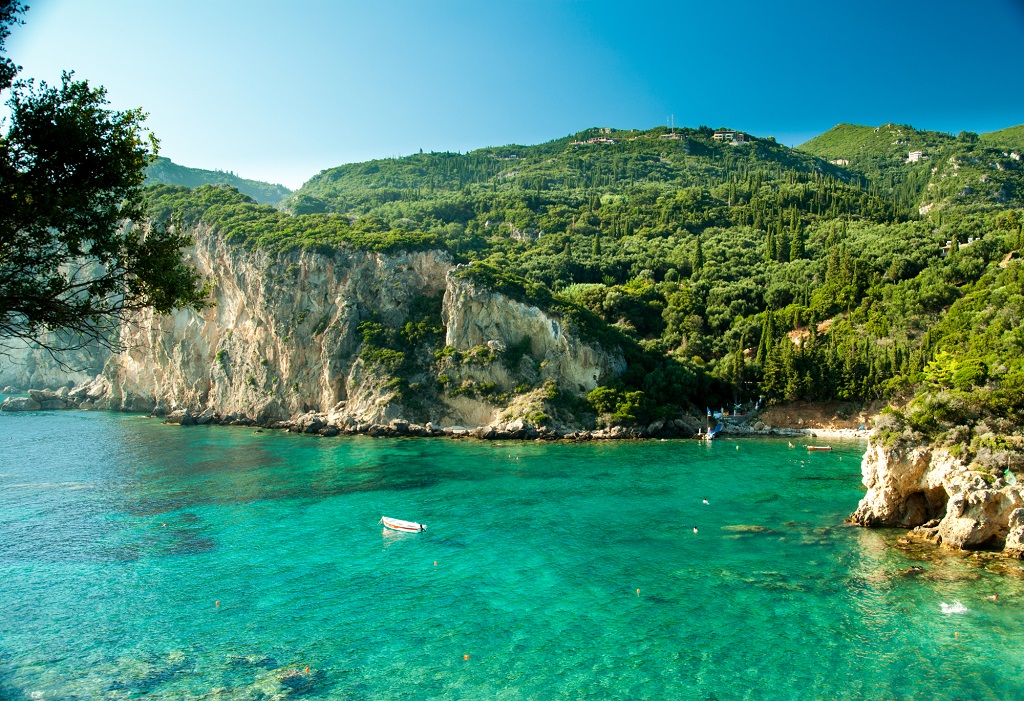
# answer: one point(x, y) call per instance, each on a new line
point(118, 534)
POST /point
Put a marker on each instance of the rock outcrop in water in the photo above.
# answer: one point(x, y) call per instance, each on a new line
point(944, 499)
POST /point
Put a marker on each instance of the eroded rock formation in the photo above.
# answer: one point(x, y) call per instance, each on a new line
point(942, 498)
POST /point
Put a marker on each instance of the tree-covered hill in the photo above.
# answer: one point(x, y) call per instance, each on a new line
point(859, 143)
point(1009, 138)
point(165, 172)
point(731, 268)
point(593, 159)
point(929, 168)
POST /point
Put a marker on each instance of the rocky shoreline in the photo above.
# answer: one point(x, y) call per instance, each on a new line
point(337, 423)
point(944, 500)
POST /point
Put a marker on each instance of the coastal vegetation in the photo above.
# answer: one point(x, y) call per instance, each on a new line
point(163, 171)
point(850, 268)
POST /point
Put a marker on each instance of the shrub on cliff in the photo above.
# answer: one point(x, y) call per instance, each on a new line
point(241, 221)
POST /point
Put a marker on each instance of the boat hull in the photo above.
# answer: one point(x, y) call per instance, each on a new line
point(404, 526)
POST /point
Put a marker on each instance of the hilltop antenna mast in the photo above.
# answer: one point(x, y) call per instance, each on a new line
point(673, 124)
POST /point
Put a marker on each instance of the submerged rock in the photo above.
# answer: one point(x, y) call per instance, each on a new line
point(20, 404)
point(745, 528)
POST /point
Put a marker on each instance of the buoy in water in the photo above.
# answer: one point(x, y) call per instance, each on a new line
point(216, 604)
point(465, 657)
point(956, 635)
point(435, 563)
point(638, 592)
point(307, 670)
point(737, 447)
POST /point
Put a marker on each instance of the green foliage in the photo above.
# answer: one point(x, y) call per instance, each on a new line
point(71, 173)
point(620, 406)
point(243, 222)
point(1011, 137)
point(720, 272)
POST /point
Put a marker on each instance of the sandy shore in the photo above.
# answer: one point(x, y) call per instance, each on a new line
point(838, 433)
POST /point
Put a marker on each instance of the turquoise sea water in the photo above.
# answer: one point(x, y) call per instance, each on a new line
point(119, 534)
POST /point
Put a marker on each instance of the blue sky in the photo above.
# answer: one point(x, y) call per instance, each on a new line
point(278, 91)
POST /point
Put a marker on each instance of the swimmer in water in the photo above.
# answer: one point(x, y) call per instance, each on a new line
point(695, 530)
point(705, 500)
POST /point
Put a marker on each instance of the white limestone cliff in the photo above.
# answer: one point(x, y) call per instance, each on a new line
point(280, 341)
point(944, 499)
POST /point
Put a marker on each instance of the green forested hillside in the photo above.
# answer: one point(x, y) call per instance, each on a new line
point(729, 270)
point(165, 172)
point(923, 168)
point(1009, 138)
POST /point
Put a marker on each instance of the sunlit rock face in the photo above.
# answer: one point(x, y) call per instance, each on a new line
point(943, 499)
point(281, 340)
point(475, 316)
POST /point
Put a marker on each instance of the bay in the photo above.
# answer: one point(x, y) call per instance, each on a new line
point(140, 560)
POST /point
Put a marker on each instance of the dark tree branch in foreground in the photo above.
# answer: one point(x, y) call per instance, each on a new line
point(74, 257)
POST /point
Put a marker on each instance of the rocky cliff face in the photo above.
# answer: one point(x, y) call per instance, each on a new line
point(517, 345)
point(282, 340)
point(23, 366)
point(943, 499)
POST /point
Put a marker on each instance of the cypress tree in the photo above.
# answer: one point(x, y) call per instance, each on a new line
point(764, 348)
point(796, 245)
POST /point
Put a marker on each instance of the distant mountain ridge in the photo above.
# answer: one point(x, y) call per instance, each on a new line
point(165, 172)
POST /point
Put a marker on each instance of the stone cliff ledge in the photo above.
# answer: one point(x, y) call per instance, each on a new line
point(944, 500)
